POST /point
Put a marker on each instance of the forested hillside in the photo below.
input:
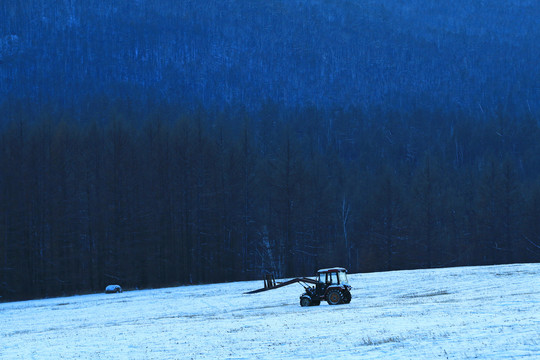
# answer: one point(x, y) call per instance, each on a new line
point(469, 55)
point(151, 143)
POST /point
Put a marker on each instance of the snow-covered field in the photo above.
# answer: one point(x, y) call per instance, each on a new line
point(457, 313)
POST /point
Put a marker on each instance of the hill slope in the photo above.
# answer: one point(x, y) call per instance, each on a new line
point(456, 313)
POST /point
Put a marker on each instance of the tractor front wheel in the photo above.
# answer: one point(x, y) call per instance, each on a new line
point(334, 297)
point(305, 301)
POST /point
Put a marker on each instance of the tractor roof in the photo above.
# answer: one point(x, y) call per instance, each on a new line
point(332, 270)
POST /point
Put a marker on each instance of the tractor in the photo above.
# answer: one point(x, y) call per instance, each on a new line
point(330, 285)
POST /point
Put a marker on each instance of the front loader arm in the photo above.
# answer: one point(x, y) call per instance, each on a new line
point(269, 285)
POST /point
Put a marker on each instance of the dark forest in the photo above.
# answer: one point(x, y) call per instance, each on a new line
point(157, 143)
point(192, 197)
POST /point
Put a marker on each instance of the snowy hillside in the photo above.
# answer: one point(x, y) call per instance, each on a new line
point(457, 313)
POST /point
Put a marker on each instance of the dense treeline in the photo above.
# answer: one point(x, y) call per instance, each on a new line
point(178, 197)
point(421, 151)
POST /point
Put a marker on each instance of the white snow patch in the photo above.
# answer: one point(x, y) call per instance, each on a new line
point(456, 313)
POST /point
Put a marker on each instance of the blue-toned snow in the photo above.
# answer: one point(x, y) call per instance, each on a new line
point(488, 312)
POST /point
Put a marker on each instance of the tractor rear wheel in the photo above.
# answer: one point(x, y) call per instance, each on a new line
point(334, 297)
point(305, 301)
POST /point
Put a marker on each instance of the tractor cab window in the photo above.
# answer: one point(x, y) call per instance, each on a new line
point(343, 277)
point(331, 278)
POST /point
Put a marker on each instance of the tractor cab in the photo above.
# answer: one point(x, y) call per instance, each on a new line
point(333, 276)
